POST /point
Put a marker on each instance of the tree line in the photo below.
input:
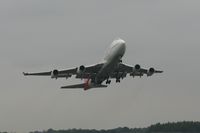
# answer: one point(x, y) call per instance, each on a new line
point(173, 127)
point(180, 127)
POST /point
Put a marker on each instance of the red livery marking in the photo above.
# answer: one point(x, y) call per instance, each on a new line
point(86, 84)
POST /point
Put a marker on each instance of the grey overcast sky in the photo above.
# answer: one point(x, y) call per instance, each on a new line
point(41, 35)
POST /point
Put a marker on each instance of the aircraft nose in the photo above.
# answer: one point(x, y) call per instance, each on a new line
point(123, 44)
point(121, 41)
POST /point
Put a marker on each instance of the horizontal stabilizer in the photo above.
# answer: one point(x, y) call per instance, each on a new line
point(79, 86)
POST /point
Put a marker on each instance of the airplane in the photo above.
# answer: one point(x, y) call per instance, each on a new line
point(111, 67)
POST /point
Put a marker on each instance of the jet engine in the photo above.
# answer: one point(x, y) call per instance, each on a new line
point(136, 68)
point(54, 74)
point(81, 69)
point(151, 71)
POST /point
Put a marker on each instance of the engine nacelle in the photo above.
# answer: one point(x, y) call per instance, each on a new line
point(135, 70)
point(54, 73)
point(151, 71)
point(81, 69)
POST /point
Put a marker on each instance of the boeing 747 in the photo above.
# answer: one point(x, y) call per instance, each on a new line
point(94, 75)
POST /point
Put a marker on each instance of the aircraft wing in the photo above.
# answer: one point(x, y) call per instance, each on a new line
point(38, 74)
point(62, 73)
point(88, 71)
point(128, 69)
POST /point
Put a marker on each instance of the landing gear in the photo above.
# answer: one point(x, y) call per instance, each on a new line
point(117, 80)
point(108, 81)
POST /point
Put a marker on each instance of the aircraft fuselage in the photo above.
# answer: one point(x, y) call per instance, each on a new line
point(113, 57)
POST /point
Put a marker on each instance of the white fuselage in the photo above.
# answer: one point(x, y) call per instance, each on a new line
point(113, 57)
